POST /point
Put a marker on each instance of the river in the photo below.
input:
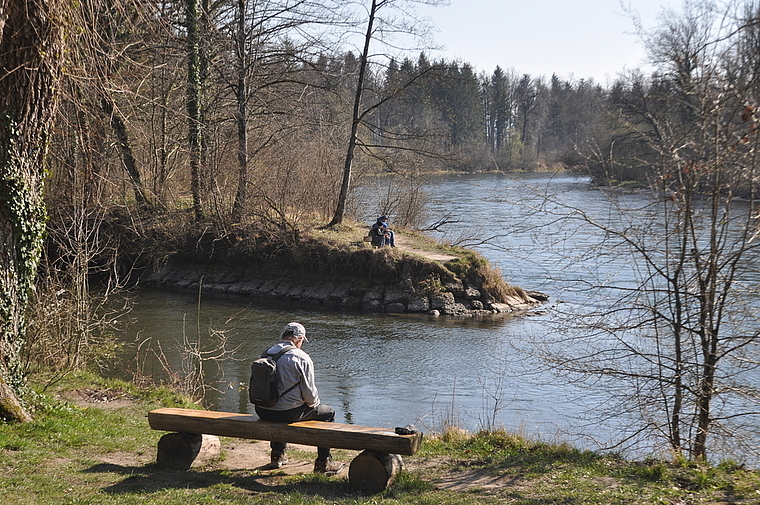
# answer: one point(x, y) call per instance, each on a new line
point(393, 370)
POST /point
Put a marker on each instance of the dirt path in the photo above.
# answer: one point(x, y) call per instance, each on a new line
point(402, 246)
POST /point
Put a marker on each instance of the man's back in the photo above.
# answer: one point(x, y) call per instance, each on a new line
point(301, 403)
point(293, 367)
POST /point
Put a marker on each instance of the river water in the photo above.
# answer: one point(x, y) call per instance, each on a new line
point(392, 370)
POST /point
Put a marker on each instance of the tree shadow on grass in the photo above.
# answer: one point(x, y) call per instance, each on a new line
point(152, 478)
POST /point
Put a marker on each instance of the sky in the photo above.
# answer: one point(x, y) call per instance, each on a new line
point(575, 39)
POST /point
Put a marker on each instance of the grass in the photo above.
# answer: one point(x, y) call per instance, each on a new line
point(91, 455)
point(465, 264)
point(558, 473)
point(352, 233)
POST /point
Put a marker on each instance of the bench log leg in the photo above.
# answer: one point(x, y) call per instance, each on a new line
point(183, 450)
point(372, 471)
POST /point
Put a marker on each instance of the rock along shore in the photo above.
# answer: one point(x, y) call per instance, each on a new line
point(454, 298)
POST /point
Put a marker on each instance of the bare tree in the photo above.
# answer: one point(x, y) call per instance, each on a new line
point(680, 345)
point(375, 27)
point(195, 87)
point(261, 44)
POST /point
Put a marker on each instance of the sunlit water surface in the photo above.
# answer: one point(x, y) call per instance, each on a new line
point(392, 370)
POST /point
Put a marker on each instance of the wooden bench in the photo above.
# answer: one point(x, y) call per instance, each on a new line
point(371, 471)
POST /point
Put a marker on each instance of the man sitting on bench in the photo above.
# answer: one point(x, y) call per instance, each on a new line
point(300, 402)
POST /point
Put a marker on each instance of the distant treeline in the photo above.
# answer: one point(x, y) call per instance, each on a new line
point(232, 109)
point(229, 107)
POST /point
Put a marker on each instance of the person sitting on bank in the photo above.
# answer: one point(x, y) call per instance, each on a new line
point(377, 234)
point(381, 234)
point(389, 235)
point(301, 403)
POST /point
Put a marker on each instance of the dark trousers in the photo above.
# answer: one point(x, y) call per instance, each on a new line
point(383, 240)
point(302, 413)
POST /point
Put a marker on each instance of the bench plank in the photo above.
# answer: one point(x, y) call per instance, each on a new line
point(315, 433)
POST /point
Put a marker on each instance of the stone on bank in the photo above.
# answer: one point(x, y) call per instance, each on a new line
point(457, 298)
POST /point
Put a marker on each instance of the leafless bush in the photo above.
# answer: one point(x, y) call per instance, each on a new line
point(187, 365)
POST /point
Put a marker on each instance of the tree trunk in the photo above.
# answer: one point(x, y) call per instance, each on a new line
point(194, 87)
point(704, 400)
point(676, 442)
point(355, 120)
point(241, 197)
point(10, 408)
point(31, 43)
point(125, 147)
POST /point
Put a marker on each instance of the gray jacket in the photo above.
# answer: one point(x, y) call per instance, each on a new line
point(293, 366)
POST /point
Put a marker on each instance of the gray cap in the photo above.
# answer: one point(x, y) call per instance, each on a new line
point(295, 329)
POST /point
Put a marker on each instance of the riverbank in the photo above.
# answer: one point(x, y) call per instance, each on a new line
point(90, 443)
point(332, 268)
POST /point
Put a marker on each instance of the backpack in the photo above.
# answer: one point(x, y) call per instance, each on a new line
point(262, 388)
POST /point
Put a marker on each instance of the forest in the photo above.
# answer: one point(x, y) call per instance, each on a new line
point(265, 115)
point(233, 108)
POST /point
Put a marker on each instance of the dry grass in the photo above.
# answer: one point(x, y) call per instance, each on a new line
point(337, 253)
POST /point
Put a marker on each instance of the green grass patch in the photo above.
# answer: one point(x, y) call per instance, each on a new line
point(73, 454)
point(559, 473)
